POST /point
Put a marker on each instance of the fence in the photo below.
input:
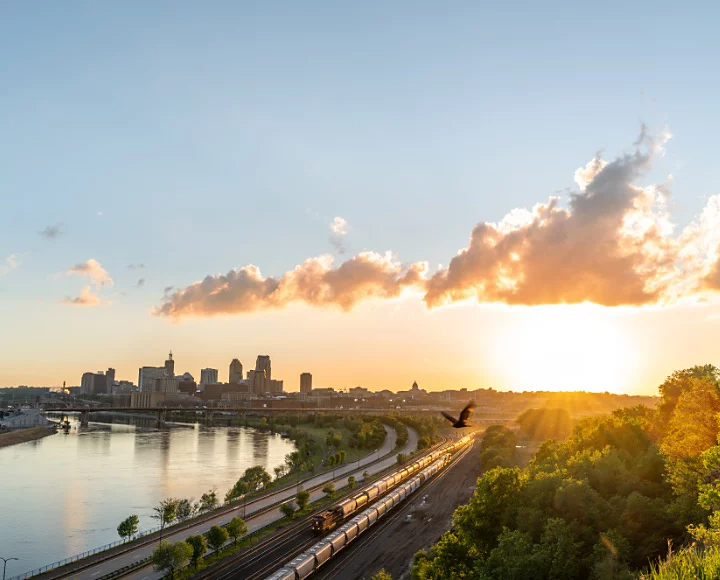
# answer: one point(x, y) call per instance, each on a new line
point(77, 557)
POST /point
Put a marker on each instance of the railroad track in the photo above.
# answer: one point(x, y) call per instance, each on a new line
point(263, 559)
point(334, 568)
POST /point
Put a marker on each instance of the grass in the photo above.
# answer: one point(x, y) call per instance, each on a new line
point(25, 435)
point(692, 562)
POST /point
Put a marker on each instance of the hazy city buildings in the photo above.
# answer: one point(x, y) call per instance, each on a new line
point(306, 383)
point(148, 376)
point(208, 377)
point(236, 371)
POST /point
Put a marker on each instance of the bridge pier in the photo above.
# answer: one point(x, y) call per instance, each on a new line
point(209, 415)
point(161, 416)
point(84, 418)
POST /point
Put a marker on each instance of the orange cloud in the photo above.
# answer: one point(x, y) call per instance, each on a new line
point(93, 270)
point(315, 281)
point(613, 245)
point(86, 298)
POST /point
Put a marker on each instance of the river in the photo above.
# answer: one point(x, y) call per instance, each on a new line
point(66, 493)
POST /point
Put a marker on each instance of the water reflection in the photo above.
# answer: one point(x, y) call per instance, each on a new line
point(66, 493)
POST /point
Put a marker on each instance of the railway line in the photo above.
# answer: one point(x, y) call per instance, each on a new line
point(389, 490)
point(263, 559)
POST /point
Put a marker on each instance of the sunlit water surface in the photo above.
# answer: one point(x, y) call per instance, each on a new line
point(65, 494)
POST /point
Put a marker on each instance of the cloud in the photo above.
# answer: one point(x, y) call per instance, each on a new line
point(86, 298)
point(140, 283)
point(11, 262)
point(52, 232)
point(338, 230)
point(613, 243)
point(93, 270)
point(314, 282)
point(136, 266)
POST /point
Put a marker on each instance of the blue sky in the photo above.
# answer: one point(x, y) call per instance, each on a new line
point(196, 138)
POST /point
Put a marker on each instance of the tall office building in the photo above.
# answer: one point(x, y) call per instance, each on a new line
point(148, 378)
point(109, 380)
point(93, 384)
point(236, 371)
point(208, 376)
point(263, 364)
point(170, 366)
point(306, 383)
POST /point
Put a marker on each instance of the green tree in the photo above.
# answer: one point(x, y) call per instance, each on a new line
point(343, 455)
point(236, 528)
point(401, 458)
point(256, 478)
point(169, 556)
point(329, 489)
point(184, 509)
point(303, 499)
point(351, 482)
point(165, 512)
point(366, 474)
point(128, 527)
point(382, 575)
point(217, 537)
point(199, 546)
point(288, 509)
point(208, 501)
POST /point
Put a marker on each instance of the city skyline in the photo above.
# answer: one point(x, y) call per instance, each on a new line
point(428, 206)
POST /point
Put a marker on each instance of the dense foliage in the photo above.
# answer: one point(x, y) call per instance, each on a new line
point(498, 447)
point(601, 504)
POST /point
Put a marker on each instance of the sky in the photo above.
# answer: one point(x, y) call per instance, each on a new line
point(466, 195)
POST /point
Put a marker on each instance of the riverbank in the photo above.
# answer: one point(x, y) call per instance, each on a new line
point(25, 435)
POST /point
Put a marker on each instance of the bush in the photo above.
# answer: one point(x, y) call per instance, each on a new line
point(303, 499)
point(329, 489)
point(288, 510)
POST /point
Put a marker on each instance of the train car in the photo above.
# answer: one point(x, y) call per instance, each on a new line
point(322, 553)
point(304, 565)
point(284, 573)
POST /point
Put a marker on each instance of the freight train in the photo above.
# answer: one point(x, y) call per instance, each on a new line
point(331, 518)
point(309, 561)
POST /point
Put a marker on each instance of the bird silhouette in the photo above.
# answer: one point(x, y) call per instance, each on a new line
point(464, 416)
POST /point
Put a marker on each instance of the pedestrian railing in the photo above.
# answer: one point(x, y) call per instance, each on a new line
point(77, 557)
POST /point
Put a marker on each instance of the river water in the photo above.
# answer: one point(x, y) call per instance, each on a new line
point(66, 493)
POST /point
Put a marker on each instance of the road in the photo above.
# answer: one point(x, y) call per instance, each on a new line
point(369, 463)
point(393, 542)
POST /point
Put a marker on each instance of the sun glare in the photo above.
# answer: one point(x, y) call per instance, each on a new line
point(565, 348)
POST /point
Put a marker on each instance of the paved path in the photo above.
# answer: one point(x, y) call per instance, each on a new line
point(356, 469)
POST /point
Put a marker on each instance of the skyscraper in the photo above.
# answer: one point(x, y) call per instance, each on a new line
point(306, 383)
point(236, 371)
point(208, 376)
point(170, 366)
point(109, 380)
point(263, 364)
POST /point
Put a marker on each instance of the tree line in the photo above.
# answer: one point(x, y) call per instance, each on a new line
point(601, 504)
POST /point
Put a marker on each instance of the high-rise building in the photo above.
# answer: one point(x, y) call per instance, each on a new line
point(236, 371)
point(148, 376)
point(208, 376)
point(306, 383)
point(263, 364)
point(93, 384)
point(170, 366)
point(258, 382)
point(109, 380)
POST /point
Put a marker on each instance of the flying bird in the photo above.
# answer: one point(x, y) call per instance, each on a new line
point(464, 416)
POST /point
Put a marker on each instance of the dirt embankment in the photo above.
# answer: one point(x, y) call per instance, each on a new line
point(24, 435)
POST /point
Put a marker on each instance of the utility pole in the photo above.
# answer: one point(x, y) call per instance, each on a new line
point(5, 561)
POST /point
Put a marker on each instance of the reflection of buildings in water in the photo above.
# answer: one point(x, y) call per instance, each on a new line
point(95, 440)
point(260, 446)
point(234, 445)
point(206, 441)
